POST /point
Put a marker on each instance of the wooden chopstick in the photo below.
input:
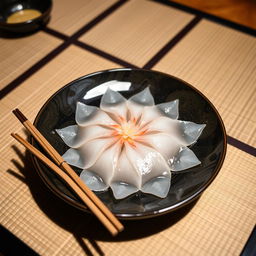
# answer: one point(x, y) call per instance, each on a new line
point(63, 165)
point(107, 223)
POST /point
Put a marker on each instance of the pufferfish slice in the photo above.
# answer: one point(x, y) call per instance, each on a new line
point(158, 186)
point(114, 104)
point(185, 159)
point(165, 125)
point(152, 168)
point(89, 115)
point(166, 144)
point(168, 109)
point(187, 132)
point(86, 155)
point(147, 162)
point(177, 156)
point(96, 177)
point(137, 103)
point(126, 180)
point(190, 131)
point(75, 136)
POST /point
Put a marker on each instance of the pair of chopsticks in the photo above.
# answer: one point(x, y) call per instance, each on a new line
point(62, 169)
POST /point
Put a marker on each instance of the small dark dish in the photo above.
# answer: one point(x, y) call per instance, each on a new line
point(9, 7)
point(59, 112)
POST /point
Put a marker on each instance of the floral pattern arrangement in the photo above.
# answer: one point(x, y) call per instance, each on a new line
point(130, 145)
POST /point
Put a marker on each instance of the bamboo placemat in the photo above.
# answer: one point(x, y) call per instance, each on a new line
point(71, 64)
point(221, 63)
point(214, 58)
point(68, 16)
point(32, 48)
point(218, 224)
point(151, 27)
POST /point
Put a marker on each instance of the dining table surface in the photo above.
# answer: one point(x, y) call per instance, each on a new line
point(215, 55)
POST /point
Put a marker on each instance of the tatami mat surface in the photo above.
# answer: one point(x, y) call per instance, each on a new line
point(217, 60)
point(137, 30)
point(32, 48)
point(221, 63)
point(211, 226)
point(71, 64)
point(69, 16)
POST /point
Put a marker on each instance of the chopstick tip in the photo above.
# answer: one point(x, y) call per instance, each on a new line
point(15, 135)
point(19, 115)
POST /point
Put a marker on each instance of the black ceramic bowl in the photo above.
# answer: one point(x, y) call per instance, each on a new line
point(9, 7)
point(59, 112)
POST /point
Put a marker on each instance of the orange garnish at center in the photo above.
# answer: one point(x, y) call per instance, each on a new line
point(127, 132)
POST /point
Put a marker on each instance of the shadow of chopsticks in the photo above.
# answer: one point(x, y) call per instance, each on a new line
point(86, 249)
point(81, 224)
point(71, 218)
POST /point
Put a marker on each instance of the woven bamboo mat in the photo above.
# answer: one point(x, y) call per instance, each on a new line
point(68, 17)
point(223, 67)
point(218, 224)
point(217, 60)
point(31, 49)
point(71, 64)
point(145, 33)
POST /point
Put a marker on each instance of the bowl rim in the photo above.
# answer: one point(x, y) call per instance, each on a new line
point(144, 215)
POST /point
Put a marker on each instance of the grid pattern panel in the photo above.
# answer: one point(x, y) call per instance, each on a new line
point(135, 35)
point(69, 16)
point(220, 222)
point(221, 63)
point(71, 64)
point(226, 209)
point(31, 49)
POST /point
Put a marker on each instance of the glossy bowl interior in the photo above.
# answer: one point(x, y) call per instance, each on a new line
point(8, 7)
point(186, 186)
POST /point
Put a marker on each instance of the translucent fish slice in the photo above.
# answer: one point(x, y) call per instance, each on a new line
point(86, 155)
point(93, 181)
point(89, 115)
point(190, 131)
point(168, 109)
point(104, 168)
point(185, 159)
point(148, 162)
point(115, 104)
point(158, 186)
point(75, 136)
point(137, 102)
